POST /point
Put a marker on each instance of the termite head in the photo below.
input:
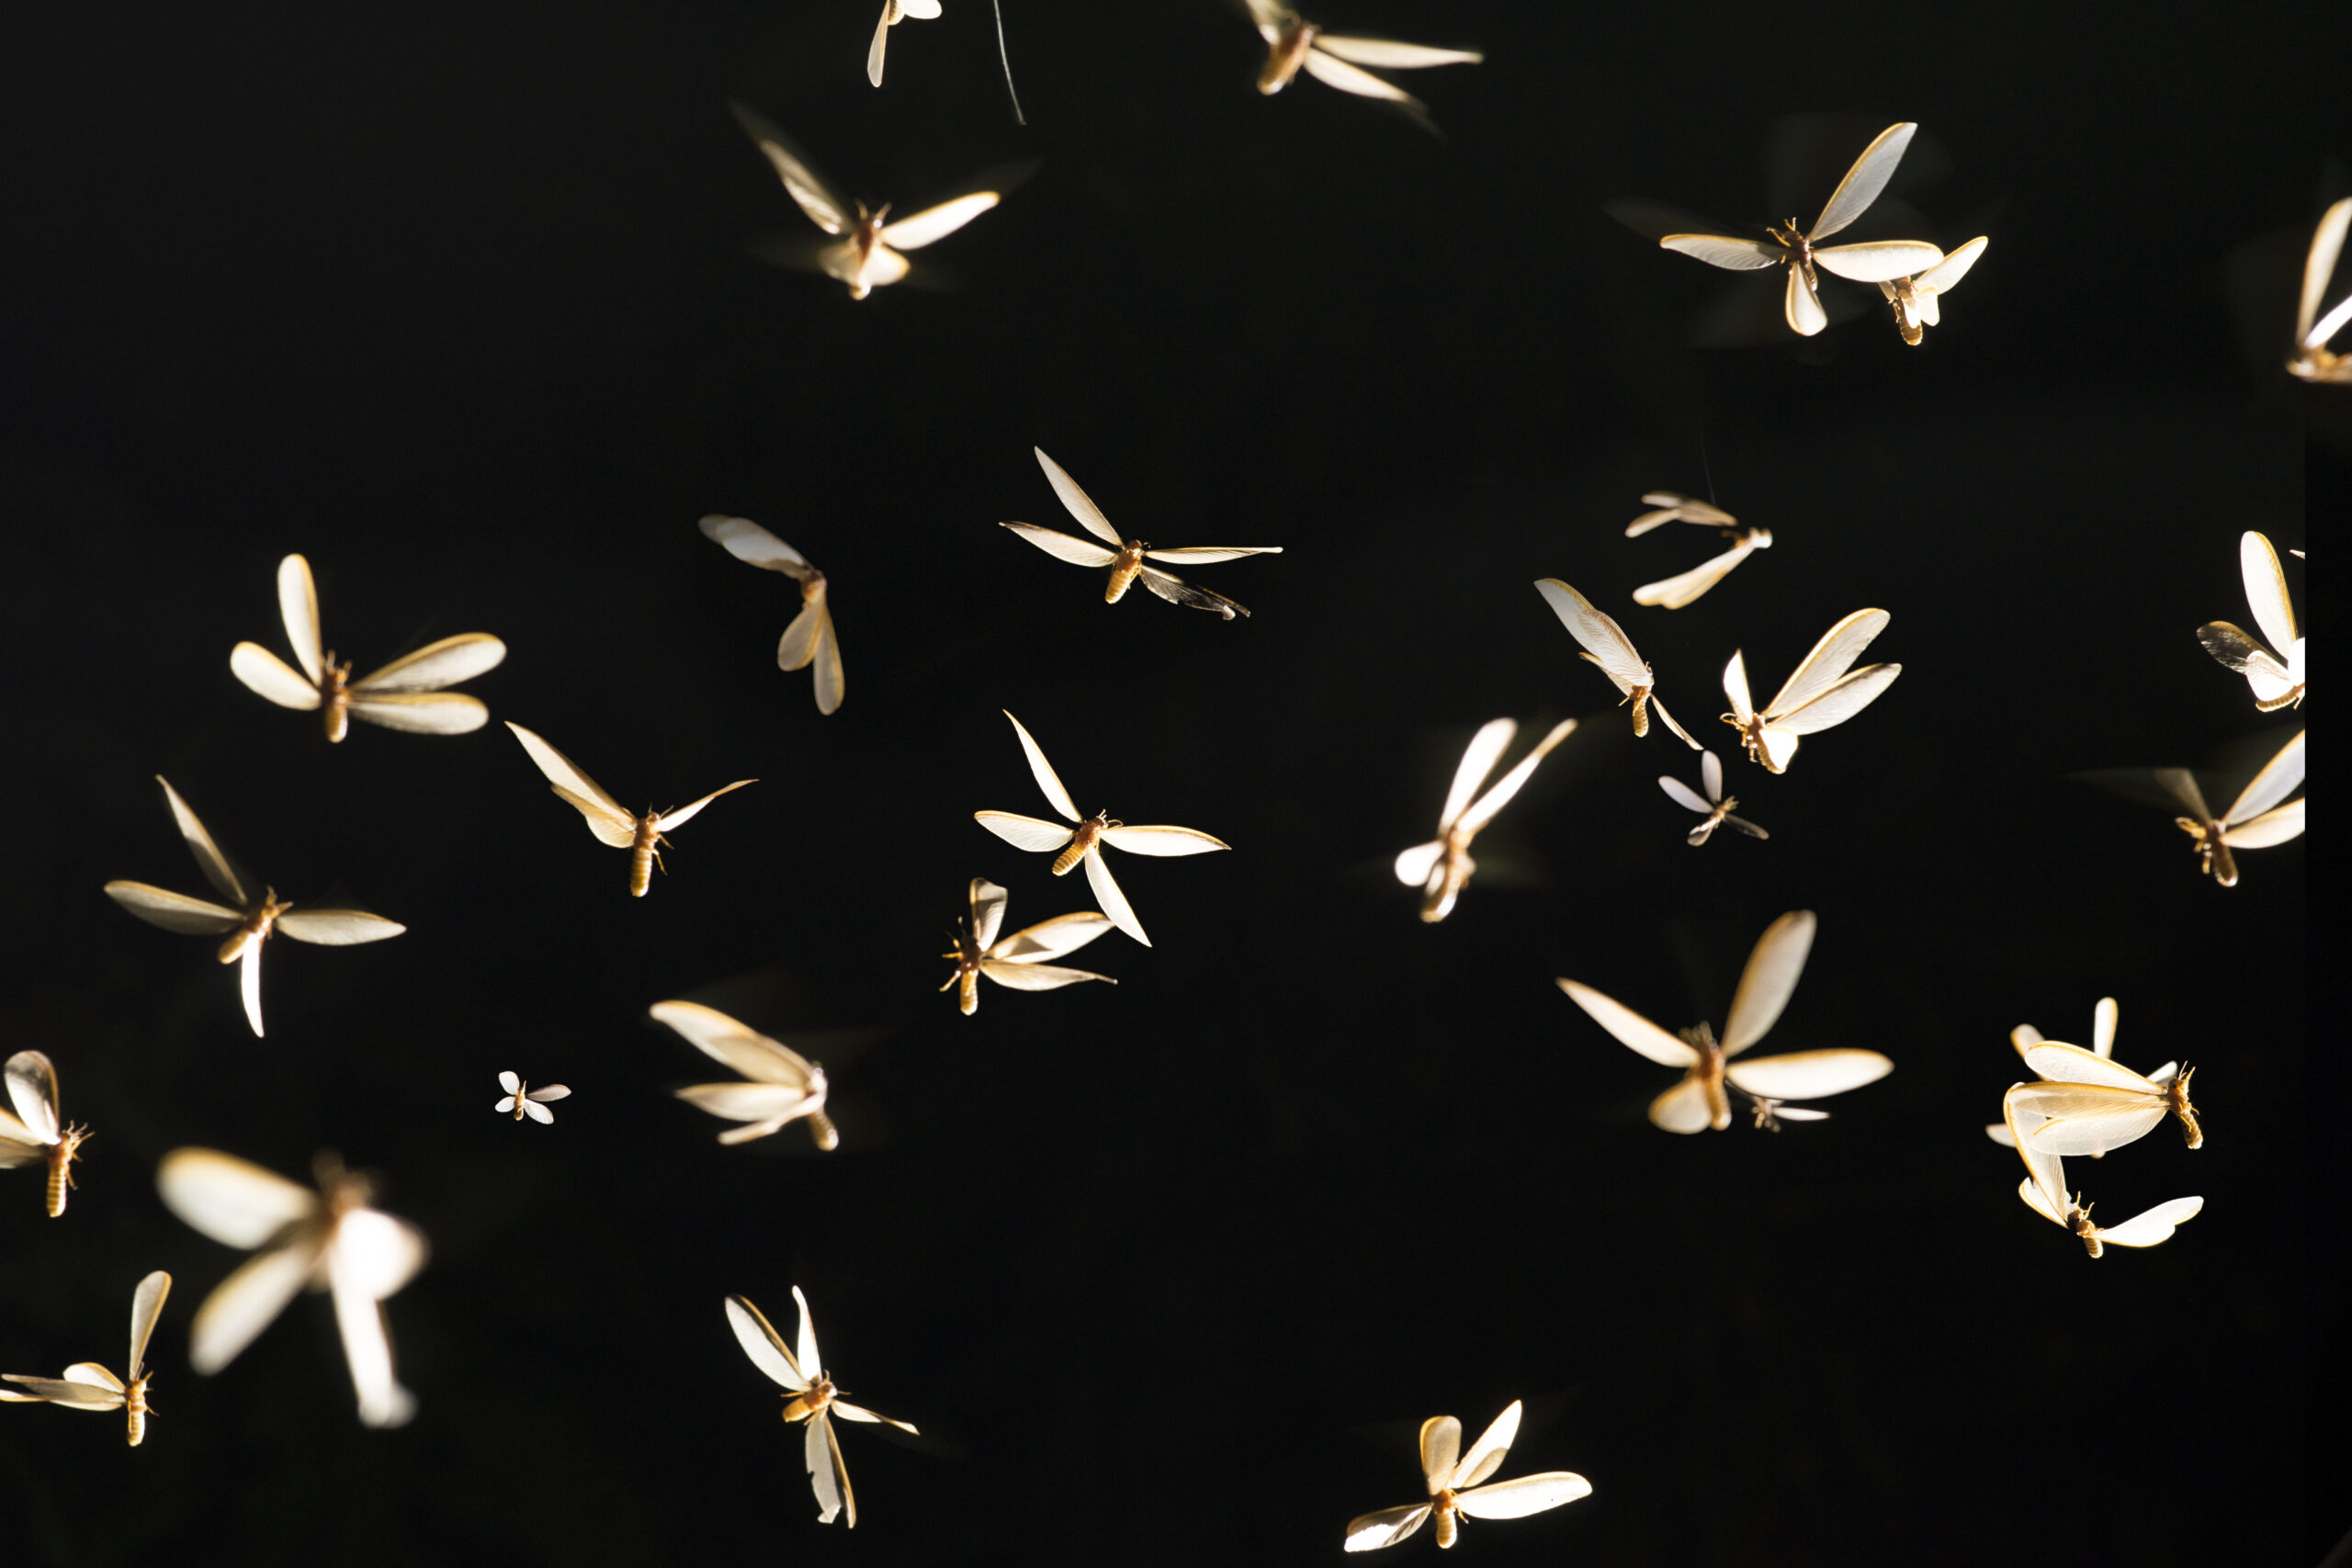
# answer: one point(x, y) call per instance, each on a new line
point(66, 1150)
point(343, 1188)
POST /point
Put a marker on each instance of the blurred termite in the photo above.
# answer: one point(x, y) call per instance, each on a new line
point(1606, 646)
point(249, 918)
point(610, 822)
point(1817, 696)
point(1700, 1100)
point(2276, 678)
point(2104, 1018)
point(87, 1385)
point(810, 639)
point(1674, 592)
point(866, 253)
point(2255, 821)
point(893, 13)
point(1914, 299)
point(784, 1085)
point(1126, 557)
point(1715, 807)
point(1455, 1492)
point(522, 1101)
point(1801, 252)
point(2088, 1104)
point(1443, 867)
point(814, 1400)
point(2313, 359)
point(36, 1134)
point(328, 1240)
point(405, 694)
point(2044, 1191)
point(1293, 43)
point(1085, 840)
point(1018, 961)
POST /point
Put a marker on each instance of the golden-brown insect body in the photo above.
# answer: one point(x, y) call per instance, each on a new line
point(135, 1403)
point(867, 238)
point(1088, 832)
point(1286, 53)
point(1905, 302)
point(2078, 1220)
point(335, 697)
point(1709, 1072)
point(812, 588)
point(61, 1170)
point(1454, 869)
point(2177, 1102)
point(1445, 1518)
point(1800, 250)
point(644, 852)
point(966, 955)
point(822, 1131)
point(1124, 570)
point(255, 926)
point(2213, 857)
point(810, 1400)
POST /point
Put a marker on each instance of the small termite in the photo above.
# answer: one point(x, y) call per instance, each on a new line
point(2044, 1191)
point(2312, 360)
point(1607, 648)
point(2255, 821)
point(2277, 678)
point(610, 822)
point(524, 1100)
point(1443, 867)
point(36, 1134)
point(1126, 557)
point(784, 1085)
point(809, 639)
point(87, 1385)
point(1915, 300)
point(1454, 1490)
point(1817, 696)
point(814, 1400)
point(1716, 806)
point(1018, 961)
point(1293, 43)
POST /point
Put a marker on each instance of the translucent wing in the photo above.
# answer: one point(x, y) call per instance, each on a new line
point(248, 1301)
point(1385, 1526)
point(1157, 840)
point(229, 1199)
point(1387, 55)
point(1948, 272)
point(606, 818)
point(1528, 1494)
point(827, 1471)
point(1676, 591)
point(449, 662)
point(988, 911)
point(1050, 939)
point(74, 1394)
point(2104, 1018)
point(1878, 262)
point(32, 1090)
point(1056, 795)
point(763, 1101)
point(1863, 181)
point(1061, 546)
point(747, 541)
point(937, 223)
point(2157, 1225)
point(2278, 778)
point(337, 928)
point(1800, 306)
point(1711, 774)
point(824, 209)
point(1840, 702)
point(1773, 966)
point(215, 865)
point(799, 644)
point(763, 1344)
point(1037, 976)
point(421, 713)
point(2062, 1063)
point(2087, 1118)
point(874, 52)
point(511, 1084)
point(848, 1412)
point(1682, 795)
point(1723, 251)
point(1089, 515)
point(1334, 72)
point(1685, 1108)
point(827, 657)
point(1743, 707)
point(744, 1049)
point(2319, 265)
point(686, 814)
point(1511, 783)
point(2181, 784)
point(2266, 590)
point(2045, 1184)
point(1441, 1447)
point(1630, 1028)
point(810, 1358)
point(1675, 507)
point(552, 1091)
point(1598, 634)
point(1208, 555)
point(1667, 719)
point(269, 676)
point(249, 984)
point(1478, 760)
point(1025, 832)
point(297, 603)
point(367, 1351)
point(1486, 1455)
point(1830, 658)
point(1114, 903)
point(2270, 828)
point(1176, 591)
point(1808, 1075)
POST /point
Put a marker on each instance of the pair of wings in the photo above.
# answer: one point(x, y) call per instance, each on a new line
point(2311, 359)
point(1443, 1471)
point(528, 1103)
point(608, 819)
point(809, 639)
point(27, 1135)
point(1685, 588)
point(2251, 822)
point(1462, 815)
point(814, 197)
point(2044, 1188)
point(2086, 1103)
point(784, 1085)
point(1333, 60)
point(2276, 672)
point(2104, 1020)
point(827, 1473)
point(893, 13)
point(1606, 644)
point(1018, 960)
point(1819, 693)
point(87, 1385)
point(361, 1256)
point(1914, 302)
point(405, 694)
point(1089, 517)
point(1711, 774)
point(1774, 966)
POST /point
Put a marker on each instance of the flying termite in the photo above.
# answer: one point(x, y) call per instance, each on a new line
point(2277, 677)
point(1818, 695)
point(246, 922)
point(1800, 250)
point(814, 1400)
point(1606, 646)
point(1293, 43)
point(2044, 1191)
point(405, 694)
point(1455, 1492)
point(2104, 1019)
point(2312, 360)
point(1915, 300)
point(1126, 557)
point(1715, 806)
point(1018, 961)
point(1443, 867)
point(610, 822)
point(809, 639)
point(87, 1385)
point(36, 1134)
point(1669, 506)
point(2088, 1104)
point(783, 1087)
point(2255, 821)
point(521, 1100)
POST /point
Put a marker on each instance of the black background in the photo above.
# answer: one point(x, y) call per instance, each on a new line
point(457, 302)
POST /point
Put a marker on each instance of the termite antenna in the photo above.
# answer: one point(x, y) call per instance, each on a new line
point(1006, 60)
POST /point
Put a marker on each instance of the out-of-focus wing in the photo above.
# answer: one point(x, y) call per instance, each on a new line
point(988, 902)
point(249, 984)
point(1415, 866)
point(937, 223)
point(367, 1351)
point(269, 676)
point(449, 663)
point(1478, 760)
point(1511, 783)
point(814, 198)
point(1155, 840)
point(1089, 515)
point(749, 543)
point(826, 656)
point(737, 1045)
point(684, 813)
point(1063, 547)
point(1863, 182)
point(32, 1090)
point(607, 819)
point(1385, 1526)
point(217, 868)
point(1800, 306)
point(1773, 966)
point(1808, 1075)
point(777, 1102)
point(337, 928)
point(1682, 795)
point(1386, 55)
point(1335, 72)
point(1685, 1108)
point(231, 1200)
point(1828, 660)
point(298, 604)
point(1723, 251)
point(1630, 1028)
point(248, 1301)
point(2319, 265)
point(1685, 588)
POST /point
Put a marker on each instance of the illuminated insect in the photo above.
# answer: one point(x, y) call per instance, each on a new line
point(1799, 251)
point(87, 1385)
point(1817, 696)
point(1674, 592)
point(1126, 557)
point(784, 1085)
point(1606, 646)
point(865, 254)
point(35, 1135)
point(1700, 1099)
point(611, 822)
point(810, 639)
point(1454, 1490)
point(1292, 42)
point(1443, 867)
point(2088, 1104)
point(2276, 678)
point(524, 1100)
point(2044, 1191)
point(814, 1400)
point(1716, 808)
point(328, 1240)
point(2254, 822)
point(1018, 960)
point(246, 923)
point(1085, 842)
point(2104, 1017)
point(1915, 299)
point(405, 694)
point(2313, 359)
point(893, 13)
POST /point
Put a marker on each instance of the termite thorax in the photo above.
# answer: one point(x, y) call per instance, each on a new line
point(335, 697)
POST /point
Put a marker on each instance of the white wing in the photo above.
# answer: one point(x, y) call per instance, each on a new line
point(215, 865)
point(32, 1088)
point(1743, 707)
point(1026, 976)
point(174, 911)
point(2276, 779)
point(1630, 1028)
point(799, 644)
point(2157, 1225)
point(337, 928)
point(1840, 702)
point(874, 51)
point(449, 663)
point(1878, 262)
point(937, 223)
point(2082, 1119)
point(1682, 795)
point(1114, 903)
point(249, 984)
point(2270, 828)
point(1025, 832)
point(2104, 1019)
point(1334, 72)
point(1478, 760)
point(1089, 515)
point(1723, 251)
point(1800, 306)
point(1159, 839)
point(824, 209)
point(1773, 966)
point(248, 1301)
point(1386, 1527)
point(1674, 592)
point(1056, 795)
point(1511, 783)
point(2062, 1063)
point(1208, 555)
point(269, 676)
point(1063, 547)
point(1830, 658)
point(686, 814)
point(737, 1045)
point(2266, 590)
point(810, 1358)
point(231, 1200)
point(2319, 265)
point(146, 1307)
point(1863, 181)
point(1808, 1075)
point(775, 1102)
point(1415, 866)
point(1685, 1108)
point(988, 901)
point(606, 818)
point(297, 603)
point(1528, 1494)
point(763, 1344)
point(747, 541)
point(1049, 938)
point(421, 713)
point(1486, 1455)
point(1387, 55)
point(1598, 634)
point(1946, 274)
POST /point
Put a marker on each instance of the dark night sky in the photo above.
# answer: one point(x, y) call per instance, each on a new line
point(457, 301)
